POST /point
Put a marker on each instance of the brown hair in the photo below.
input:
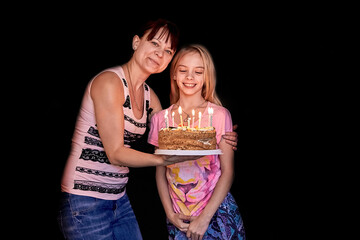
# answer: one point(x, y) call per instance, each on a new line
point(208, 91)
point(168, 28)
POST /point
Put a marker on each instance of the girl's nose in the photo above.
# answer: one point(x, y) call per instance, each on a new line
point(189, 75)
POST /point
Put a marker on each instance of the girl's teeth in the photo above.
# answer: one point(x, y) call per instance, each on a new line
point(189, 85)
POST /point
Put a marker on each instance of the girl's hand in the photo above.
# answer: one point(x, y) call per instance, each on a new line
point(232, 137)
point(180, 221)
point(197, 228)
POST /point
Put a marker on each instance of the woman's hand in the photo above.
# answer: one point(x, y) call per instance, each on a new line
point(171, 159)
point(231, 138)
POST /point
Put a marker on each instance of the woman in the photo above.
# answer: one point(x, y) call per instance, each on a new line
point(112, 117)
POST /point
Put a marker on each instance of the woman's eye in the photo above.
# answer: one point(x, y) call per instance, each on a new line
point(169, 52)
point(155, 44)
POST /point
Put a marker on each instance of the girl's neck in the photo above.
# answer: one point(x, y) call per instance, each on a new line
point(191, 102)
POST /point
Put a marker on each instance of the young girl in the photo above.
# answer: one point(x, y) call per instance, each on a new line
point(195, 194)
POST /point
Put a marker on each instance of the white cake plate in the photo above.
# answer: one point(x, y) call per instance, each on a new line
point(188, 152)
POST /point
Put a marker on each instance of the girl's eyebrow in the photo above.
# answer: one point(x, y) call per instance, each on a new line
point(181, 65)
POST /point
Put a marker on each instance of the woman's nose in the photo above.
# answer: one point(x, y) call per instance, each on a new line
point(159, 53)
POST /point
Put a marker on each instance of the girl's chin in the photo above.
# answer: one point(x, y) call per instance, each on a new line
point(190, 92)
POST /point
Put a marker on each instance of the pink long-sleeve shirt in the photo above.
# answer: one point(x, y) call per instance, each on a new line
point(192, 183)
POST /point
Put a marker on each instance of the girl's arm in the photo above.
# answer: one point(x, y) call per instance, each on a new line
point(162, 186)
point(199, 225)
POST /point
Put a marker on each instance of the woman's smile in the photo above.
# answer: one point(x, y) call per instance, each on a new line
point(153, 61)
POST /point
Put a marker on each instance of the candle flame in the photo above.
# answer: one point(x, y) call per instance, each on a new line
point(210, 110)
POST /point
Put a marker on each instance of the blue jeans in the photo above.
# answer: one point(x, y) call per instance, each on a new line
point(88, 218)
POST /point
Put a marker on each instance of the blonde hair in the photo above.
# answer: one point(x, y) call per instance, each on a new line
point(208, 91)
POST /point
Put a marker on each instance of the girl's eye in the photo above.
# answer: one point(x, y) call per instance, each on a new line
point(199, 72)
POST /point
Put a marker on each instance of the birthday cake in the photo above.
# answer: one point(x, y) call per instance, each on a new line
point(184, 138)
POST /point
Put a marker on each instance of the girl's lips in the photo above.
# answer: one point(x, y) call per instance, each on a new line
point(189, 84)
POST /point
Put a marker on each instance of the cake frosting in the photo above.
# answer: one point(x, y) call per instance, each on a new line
point(185, 138)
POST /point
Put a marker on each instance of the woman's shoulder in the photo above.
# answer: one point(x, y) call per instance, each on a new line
point(118, 70)
point(106, 78)
point(109, 76)
point(106, 83)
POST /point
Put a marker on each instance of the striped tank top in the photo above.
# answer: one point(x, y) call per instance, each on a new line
point(88, 171)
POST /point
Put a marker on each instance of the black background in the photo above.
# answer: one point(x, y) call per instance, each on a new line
point(273, 66)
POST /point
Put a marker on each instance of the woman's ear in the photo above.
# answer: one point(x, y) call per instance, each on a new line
point(135, 42)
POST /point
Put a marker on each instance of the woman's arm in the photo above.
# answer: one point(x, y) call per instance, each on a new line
point(162, 186)
point(199, 225)
point(108, 97)
point(232, 137)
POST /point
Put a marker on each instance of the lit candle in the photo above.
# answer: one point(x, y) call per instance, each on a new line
point(193, 118)
point(180, 113)
point(199, 119)
point(166, 119)
point(172, 118)
point(210, 111)
point(189, 120)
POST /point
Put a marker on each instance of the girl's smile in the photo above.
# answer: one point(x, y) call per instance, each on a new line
point(189, 85)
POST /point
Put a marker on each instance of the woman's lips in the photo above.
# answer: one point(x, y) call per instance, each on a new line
point(154, 61)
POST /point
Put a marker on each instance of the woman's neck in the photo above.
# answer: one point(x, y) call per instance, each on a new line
point(137, 76)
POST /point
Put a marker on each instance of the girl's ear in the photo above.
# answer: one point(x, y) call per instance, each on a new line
point(135, 42)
